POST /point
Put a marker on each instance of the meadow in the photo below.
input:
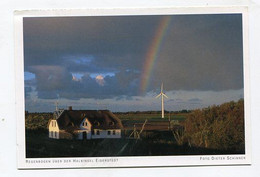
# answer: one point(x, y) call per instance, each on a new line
point(208, 131)
point(38, 145)
point(153, 119)
point(152, 116)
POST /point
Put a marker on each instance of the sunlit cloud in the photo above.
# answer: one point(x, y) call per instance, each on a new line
point(100, 80)
point(77, 76)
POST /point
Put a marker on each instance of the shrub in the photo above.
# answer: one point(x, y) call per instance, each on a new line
point(217, 127)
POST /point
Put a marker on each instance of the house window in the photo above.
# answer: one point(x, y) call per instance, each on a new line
point(114, 132)
point(98, 133)
point(85, 124)
point(92, 132)
point(52, 134)
point(55, 134)
point(108, 132)
point(96, 123)
point(111, 123)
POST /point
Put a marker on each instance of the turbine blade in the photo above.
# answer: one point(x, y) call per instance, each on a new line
point(165, 95)
point(162, 88)
point(158, 95)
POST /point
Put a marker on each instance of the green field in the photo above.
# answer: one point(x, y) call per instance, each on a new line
point(151, 117)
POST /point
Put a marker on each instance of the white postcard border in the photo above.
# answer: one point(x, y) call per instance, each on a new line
point(131, 161)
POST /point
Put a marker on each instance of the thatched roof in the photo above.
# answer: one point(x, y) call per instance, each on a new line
point(70, 120)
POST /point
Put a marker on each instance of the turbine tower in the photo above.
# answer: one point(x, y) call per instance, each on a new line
point(162, 95)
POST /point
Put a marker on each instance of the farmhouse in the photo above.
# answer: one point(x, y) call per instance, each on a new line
point(84, 124)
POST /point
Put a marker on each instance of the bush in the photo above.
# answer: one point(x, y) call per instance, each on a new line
point(37, 121)
point(217, 127)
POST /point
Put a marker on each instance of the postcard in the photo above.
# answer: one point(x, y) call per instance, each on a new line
point(132, 87)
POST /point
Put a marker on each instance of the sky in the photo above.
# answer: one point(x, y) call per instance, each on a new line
point(119, 62)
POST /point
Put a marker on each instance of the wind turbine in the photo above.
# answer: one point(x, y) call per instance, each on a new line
point(162, 95)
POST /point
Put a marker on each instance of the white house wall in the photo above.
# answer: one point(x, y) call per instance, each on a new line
point(104, 134)
point(80, 135)
point(55, 135)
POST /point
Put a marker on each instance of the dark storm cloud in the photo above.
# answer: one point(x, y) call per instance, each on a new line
point(51, 77)
point(27, 90)
point(200, 52)
point(48, 39)
point(193, 100)
point(55, 81)
point(29, 86)
point(171, 100)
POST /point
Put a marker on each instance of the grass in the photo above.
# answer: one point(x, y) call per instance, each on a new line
point(128, 120)
point(151, 117)
point(38, 145)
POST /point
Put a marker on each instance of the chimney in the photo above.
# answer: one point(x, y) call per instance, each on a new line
point(70, 108)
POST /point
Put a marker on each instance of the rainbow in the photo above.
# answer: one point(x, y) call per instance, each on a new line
point(153, 51)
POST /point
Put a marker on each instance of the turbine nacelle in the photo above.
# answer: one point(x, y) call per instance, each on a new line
point(161, 94)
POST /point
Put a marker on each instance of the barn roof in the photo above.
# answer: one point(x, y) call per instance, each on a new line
point(70, 120)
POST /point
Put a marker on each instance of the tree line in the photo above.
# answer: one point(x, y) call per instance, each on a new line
point(37, 121)
point(154, 112)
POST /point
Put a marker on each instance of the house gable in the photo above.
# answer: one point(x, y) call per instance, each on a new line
point(53, 125)
point(85, 124)
point(53, 129)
